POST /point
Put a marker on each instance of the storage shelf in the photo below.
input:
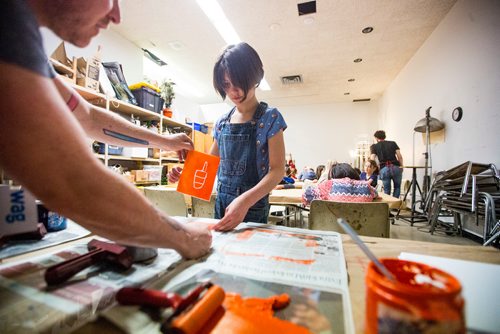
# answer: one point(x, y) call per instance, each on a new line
point(119, 157)
point(99, 99)
point(146, 183)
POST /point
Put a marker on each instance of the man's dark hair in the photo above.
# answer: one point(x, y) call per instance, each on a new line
point(380, 134)
point(339, 171)
point(243, 66)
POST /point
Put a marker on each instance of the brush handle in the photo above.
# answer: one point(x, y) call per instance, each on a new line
point(63, 271)
point(145, 297)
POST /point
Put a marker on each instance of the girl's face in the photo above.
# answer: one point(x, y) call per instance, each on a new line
point(368, 168)
point(236, 94)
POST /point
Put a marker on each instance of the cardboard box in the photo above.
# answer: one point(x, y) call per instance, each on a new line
point(18, 211)
point(129, 177)
point(135, 152)
point(64, 66)
point(88, 71)
point(154, 172)
point(140, 175)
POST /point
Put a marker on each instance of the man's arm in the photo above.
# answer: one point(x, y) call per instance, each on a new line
point(108, 127)
point(399, 157)
point(44, 148)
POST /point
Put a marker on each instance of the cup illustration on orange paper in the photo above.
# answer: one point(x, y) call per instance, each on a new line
point(200, 176)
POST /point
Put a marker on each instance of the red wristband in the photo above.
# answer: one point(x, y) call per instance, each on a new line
point(72, 102)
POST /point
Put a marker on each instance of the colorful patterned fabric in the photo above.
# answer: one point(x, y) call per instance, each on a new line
point(340, 190)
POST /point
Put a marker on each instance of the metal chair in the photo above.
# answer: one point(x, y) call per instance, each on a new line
point(167, 200)
point(370, 219)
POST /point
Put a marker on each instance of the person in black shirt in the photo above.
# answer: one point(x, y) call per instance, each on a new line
point(390, 161)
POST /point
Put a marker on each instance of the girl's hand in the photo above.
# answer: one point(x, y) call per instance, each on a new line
point(235, 213)
point(174, 175)
point(181, 143)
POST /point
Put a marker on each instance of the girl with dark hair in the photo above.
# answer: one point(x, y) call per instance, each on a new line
point(248, 140)
point(370, 173)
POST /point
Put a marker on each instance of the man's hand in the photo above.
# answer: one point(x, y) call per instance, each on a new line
point(181, 143)
point(234, 215)
point(199, 240)
point(174, 175)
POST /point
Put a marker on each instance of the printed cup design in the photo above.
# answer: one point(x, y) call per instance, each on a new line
point(200, 176)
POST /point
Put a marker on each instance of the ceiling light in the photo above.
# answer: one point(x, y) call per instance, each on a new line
point(264, 85)
point(358, 60)
point(309, 20)
point(367, 30)
point(216, 15)
point(176, 45)
point(351, 80)
point(275, 26)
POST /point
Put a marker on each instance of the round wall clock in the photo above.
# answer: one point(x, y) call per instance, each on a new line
point(457, 114)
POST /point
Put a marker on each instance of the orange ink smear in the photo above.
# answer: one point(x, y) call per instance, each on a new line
point(287, 259)
point(255, 315)
point(245, 235)
point(311, 243)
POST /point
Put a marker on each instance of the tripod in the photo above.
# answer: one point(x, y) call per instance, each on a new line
point(415, 215)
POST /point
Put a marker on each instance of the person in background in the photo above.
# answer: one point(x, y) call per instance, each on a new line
point(370, 173)
point(343, 185)
point(307, 174)
point(390, 160)
point(319, 171)
point(248, 139)
point(44, 125)
point(326, 171)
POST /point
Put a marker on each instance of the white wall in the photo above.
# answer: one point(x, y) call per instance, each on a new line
point(317, 133)
point(459, 65)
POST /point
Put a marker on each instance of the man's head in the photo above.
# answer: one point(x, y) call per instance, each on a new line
point(77, 21)
point(379, 135)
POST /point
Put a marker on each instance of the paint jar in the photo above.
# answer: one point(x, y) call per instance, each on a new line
point(423, 299)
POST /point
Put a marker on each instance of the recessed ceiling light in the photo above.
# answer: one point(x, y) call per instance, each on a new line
point(309, 20)
point(358, 60)
point(367, 30)
point(274, 26)
point(351, 80)
point(176, 45)
point(347, 93)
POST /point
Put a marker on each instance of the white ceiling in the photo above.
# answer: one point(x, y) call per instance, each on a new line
point(322, 51)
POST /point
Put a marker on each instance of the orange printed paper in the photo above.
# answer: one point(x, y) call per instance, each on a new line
point(198, 176)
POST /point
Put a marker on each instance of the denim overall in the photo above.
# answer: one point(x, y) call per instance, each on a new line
point(238, 167)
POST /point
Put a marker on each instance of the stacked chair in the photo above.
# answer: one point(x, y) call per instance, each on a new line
point(471, 189)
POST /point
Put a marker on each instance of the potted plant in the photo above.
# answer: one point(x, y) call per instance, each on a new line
point(168, 95)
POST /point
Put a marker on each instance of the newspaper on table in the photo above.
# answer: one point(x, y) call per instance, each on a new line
point(252, 260)
point(17, 247)
point(256, 260)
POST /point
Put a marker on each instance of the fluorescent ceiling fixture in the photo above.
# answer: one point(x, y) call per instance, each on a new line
point(264, 85)
point(216, 15)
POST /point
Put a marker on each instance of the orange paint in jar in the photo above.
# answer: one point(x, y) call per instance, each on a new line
point(422, 300)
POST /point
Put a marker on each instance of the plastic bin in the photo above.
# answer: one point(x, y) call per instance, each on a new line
point(199, 127)
point(113, 150)
point(148, 98)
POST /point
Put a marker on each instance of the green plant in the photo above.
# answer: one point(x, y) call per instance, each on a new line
point(167, 92)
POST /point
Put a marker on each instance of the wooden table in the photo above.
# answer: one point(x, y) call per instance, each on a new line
point(357, 264)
